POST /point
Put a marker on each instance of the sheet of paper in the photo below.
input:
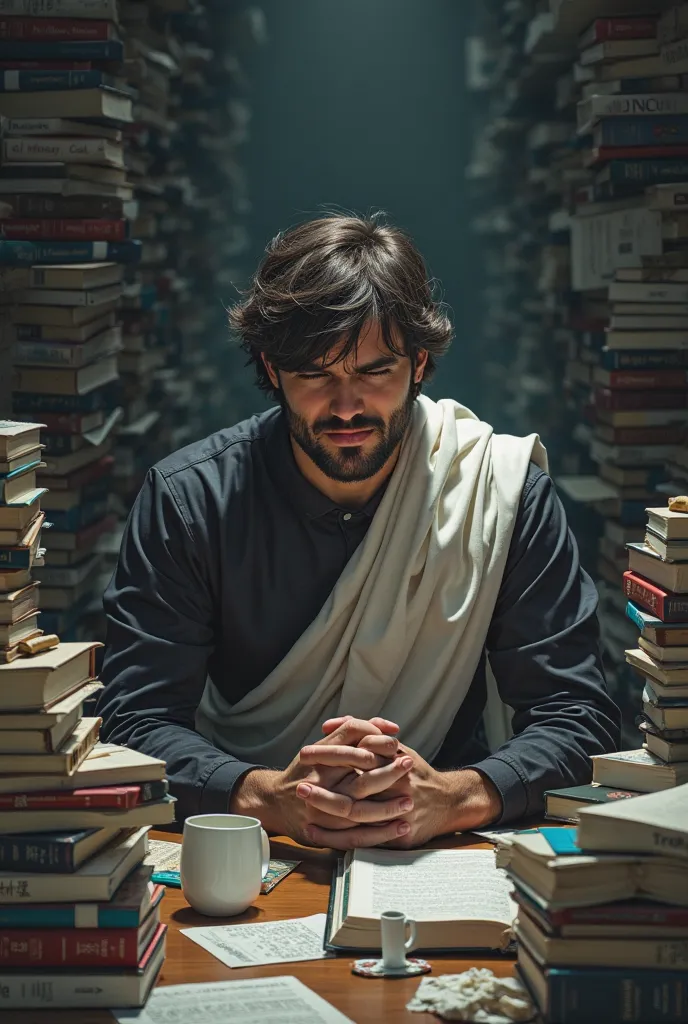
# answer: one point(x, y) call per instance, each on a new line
point(283, 1000)
point(442, 885)
point(268, 942)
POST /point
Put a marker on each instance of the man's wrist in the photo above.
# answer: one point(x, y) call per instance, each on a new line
point(253, 796)
point(475, 801)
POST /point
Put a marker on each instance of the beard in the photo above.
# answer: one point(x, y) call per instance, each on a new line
point(351, 464)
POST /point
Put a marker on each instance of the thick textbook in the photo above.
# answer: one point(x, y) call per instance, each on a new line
point(477, 914)
point(48, 820)
point(564, 804)
point(62, 762)
point(107, 765)
point(65, 850)
point(638, 769)
point(653, 823)
point(36, 682)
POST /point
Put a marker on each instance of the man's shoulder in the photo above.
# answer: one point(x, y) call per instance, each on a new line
point(226, 449)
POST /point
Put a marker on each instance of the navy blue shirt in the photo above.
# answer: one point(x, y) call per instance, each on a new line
point(228, 555)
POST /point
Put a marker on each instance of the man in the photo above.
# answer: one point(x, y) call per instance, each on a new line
point(300, 616)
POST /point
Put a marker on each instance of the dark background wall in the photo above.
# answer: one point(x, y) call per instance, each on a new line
point(362, 106)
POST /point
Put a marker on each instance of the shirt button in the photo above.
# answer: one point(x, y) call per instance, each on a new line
point(346, 516)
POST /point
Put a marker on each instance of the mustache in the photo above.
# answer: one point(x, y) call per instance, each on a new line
point(357, 423)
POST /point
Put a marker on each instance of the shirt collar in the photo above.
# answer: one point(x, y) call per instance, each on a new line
point(306, 498)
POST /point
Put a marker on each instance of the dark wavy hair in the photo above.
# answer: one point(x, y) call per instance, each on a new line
point(319, 283)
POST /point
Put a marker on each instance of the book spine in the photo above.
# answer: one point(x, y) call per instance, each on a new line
point(31, 853)
point(77, 947)
point(579, 996)
point(67, 423)
point(40, 353)
point(46, 65)
point(645, 435)
point(625, 106)
point(670, 360)
point(38, 402)
point(23, 253)
point(622, 154)
point(36, 206)
point(150, 791)
point(649, 172)
point(80, 517)
point(15, 558)
point(636, 399)
point(106, 9)
point(93, 229)
point(643, 131)
point(644, 594)
point(607, 29)
point(64, 50)
point(38, 81)
point(635, 86)
point(55, 29)
point(651, 914)
point(122, 798)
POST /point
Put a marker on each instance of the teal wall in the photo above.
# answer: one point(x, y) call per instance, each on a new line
point(360, 105)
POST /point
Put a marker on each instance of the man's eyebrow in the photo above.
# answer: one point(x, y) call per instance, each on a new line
point(376, 364)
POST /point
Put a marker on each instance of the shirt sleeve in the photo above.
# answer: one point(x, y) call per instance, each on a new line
point(543, 647)
point(160, 634)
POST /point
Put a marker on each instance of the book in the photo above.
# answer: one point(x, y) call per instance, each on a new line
point(19, 515)
point(639, 108)
point(24, 554)
point(160, 812)
point(62, 49)
point(564, 804)
point(106, 987)
point(666, 655)
point(667, 750)
point(476, 915)
point(666, 716)
point(617, 49)
point(48, 81)
point(77, 947)
point(107, 765)
point(668, 550)
point(608, 399)
point(623, 919)
point(60, 186)
point(16, 438)
point(671, 675)
point(13, 579)
point(63, 851)
point(649, 952)
point(57, 150)
point(654, 823)
point(631, 339)
point(602, 29)
point(659, 133)
point(63, 761)
point(65, 380)
point(37, 206)
point(44, 731)
point(568, 995)
point(667, 524)
point(16, 604)
point(96, 879)
point(60, 323)
point(105, 9)
point(637, 769)
point(42, 296)
point(25, 629)
point(665, 605)
point(14, 485)
point(18, 252)
point(583, 880)
point(670, 576)
point(131, 903)
point(655, 630)
point(41, 353)
point(81, 29)
point(102, 797)
point(36, 682)
point(643, 172)
point(65, 230)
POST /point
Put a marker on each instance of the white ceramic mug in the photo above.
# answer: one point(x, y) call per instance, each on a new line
point(395, 945)
point(224, 858)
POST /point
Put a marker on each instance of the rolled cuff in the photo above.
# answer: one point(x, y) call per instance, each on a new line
point(220, 781)
point(509, 784)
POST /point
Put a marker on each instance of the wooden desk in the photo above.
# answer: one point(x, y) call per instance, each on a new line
point(305, 891)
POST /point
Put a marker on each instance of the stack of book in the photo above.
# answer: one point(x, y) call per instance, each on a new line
point(656, 586)
point(21, 522)
point(602, 925)
point(79, 924)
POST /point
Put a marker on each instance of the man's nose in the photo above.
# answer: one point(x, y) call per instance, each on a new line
point(346, 401)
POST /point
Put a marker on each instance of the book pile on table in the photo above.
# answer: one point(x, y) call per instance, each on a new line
point(79, 924)
point(602, 925)
point(656, 586)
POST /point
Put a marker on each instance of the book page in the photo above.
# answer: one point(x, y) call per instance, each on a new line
point(265, 942)
point(282, 1000)
point(430, 885)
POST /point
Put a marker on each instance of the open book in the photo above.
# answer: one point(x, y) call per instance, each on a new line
point(459, 899)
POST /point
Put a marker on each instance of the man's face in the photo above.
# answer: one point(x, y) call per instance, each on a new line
point(349, 417)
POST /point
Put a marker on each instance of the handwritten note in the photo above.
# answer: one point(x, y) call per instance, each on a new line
point(268, 942)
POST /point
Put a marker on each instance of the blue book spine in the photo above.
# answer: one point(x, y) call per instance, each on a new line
point(637, 86)
point(63, 916)
point(26, 253)
point(38, 852)
point(28, 402)
point(63, 50)
point(659, 359)
point(646, 172)
point(15, 558)
point(616, 995)
point(35, 81)
point(668, 130)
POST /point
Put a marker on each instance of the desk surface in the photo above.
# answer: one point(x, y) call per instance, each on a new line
point(305, 891)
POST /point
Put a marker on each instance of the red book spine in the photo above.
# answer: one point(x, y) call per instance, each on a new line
point(78, 29)
point(113, 796)
point(93, 229)
point(63, 423)
point(644, 593)
point(623, 28)
point(69, 947)
point(602, 154)
point(638, 379)
point(606, 398)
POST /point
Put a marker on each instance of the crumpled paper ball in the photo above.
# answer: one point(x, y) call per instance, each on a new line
point(475, 995)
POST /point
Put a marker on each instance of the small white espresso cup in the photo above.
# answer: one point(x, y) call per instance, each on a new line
point(395, 945)
point(224, 858)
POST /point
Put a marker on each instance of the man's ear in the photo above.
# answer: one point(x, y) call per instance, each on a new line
point(271, 371)
point(419, 365)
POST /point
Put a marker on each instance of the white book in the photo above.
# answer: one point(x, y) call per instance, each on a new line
point(99, 9)
point(652, 823)
point(95, 880)
point(629, 105)
point(648, 291)
point(71, 151)
point(107, 765)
